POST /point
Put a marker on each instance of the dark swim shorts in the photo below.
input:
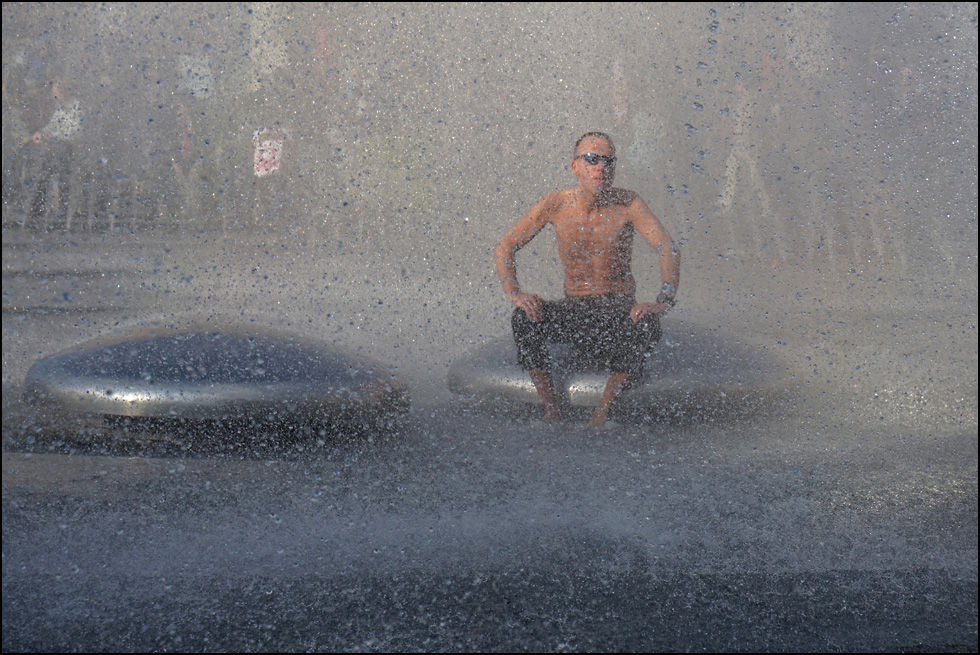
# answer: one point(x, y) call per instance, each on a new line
point(597, 325)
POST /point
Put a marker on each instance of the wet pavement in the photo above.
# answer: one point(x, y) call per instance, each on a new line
point(514, 536)
point(843, 520)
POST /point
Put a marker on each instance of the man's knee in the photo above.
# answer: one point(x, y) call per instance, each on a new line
point(530, 340)
point(519, 320)
point(649, 330)
point(638, 338)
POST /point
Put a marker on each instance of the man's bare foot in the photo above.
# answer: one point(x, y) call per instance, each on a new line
point(551, 415)
point(614, 385)
point(604, 425)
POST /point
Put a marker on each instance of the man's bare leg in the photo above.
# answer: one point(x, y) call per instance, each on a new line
point(615, 384)
point(545, 386)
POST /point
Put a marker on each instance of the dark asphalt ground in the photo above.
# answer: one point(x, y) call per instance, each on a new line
point(516, 536)
point(844, 519)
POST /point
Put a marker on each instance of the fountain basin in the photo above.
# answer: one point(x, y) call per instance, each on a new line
point(693, 372)
point(222, 375)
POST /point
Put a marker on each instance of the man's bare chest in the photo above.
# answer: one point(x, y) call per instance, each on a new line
point(597, 231)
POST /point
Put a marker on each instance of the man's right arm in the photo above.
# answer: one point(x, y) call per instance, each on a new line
point(505, 255)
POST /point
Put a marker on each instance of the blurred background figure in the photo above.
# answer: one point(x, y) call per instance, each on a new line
point(187, 170)
point(49, 198)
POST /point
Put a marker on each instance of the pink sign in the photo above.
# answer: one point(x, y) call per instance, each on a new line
point(268, 153)
point(268, 157)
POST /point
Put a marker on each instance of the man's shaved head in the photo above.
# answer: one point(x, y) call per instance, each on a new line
point(597, 135)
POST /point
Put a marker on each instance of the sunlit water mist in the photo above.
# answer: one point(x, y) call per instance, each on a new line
point(802, 136)
point(817, 165)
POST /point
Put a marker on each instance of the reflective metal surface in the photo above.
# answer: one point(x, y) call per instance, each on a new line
point(691, 372)
point(213, 375)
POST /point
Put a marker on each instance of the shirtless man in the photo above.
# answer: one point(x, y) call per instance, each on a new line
point(595, 223)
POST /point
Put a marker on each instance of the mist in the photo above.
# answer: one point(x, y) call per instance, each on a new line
point(815, 163)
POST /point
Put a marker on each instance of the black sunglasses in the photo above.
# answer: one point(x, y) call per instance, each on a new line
point(592, 159)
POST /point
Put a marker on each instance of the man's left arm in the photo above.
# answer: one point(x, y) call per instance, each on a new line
point(653, 231)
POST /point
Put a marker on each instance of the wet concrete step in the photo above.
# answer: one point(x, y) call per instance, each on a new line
point(84, 273)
